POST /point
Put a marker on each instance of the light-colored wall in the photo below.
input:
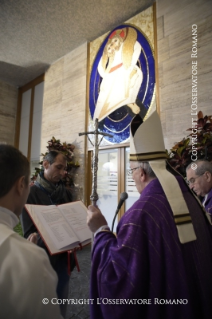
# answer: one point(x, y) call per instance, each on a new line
point(8, 107)
point(64, 104)
point(64, 108)
point(174, 26)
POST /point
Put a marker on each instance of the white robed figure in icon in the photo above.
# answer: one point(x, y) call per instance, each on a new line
point(121, 77)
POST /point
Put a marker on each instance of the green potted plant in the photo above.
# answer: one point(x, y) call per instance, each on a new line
point(181, 154)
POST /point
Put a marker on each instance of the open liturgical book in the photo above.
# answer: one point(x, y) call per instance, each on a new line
point(62, 227)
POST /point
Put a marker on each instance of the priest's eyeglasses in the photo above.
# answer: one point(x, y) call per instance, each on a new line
point(193, 179)
point(130, 171)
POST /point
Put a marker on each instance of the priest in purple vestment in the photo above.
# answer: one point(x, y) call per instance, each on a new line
point(158, 265)
point(200, 181)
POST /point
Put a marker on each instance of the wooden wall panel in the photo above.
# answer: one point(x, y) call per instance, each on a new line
point(8, 107)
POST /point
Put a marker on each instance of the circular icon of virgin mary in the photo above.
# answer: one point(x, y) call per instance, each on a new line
point(122, 81)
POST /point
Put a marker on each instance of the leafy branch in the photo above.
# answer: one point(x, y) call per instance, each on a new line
point(68, 151)
point(196, 145)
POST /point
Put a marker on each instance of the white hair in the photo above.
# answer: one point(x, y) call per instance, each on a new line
point(202, 167)
point(147, 168)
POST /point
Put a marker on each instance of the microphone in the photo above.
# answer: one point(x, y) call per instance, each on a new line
point(123, 197)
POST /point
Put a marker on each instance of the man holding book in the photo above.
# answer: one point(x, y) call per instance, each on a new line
point(159, 263)
point(27, 280)
point(49, 189)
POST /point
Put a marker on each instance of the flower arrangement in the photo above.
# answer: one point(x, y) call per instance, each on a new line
point(68, 150)
point(197, 145)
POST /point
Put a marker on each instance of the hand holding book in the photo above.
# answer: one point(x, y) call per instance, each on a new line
point(62, 227)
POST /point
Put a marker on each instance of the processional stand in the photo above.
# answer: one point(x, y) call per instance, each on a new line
point(94, 166)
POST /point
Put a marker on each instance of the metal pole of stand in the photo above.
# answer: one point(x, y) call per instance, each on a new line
point(94, 196)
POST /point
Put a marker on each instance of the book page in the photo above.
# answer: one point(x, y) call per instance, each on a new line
point(55, 224)
point(76, 215)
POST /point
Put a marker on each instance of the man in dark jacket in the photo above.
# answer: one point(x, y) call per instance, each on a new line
point(49, 189)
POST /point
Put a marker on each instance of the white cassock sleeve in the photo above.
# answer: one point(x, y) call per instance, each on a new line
point(26, 278)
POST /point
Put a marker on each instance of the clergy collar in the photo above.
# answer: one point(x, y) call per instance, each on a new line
point(8, 218)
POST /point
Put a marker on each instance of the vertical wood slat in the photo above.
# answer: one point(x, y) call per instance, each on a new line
point(30, 122)
point(28, 86)
point(18, 119)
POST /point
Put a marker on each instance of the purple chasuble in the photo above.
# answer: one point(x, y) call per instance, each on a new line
point(208, 203)
point(145, 272)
